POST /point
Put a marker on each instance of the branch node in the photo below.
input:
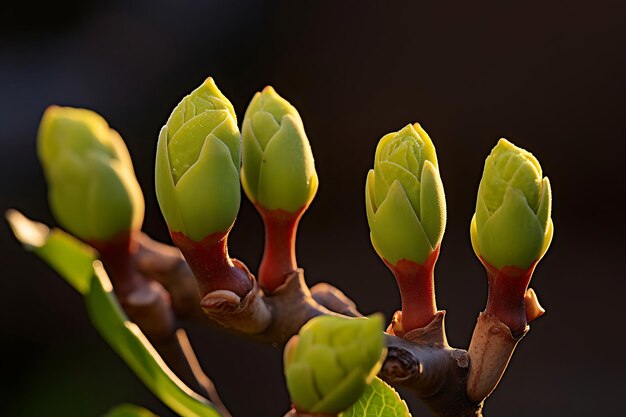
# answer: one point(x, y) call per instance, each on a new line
point(433, 334)
point(249, 315)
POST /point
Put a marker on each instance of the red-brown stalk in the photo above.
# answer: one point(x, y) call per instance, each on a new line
point(507, 288)
point(417, 290)
point(279, 255)
point(211, 265)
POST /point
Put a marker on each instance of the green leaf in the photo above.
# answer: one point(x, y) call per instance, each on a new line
point(129, 410)
point(378, 400)
point(129, 342)
point(69, 258)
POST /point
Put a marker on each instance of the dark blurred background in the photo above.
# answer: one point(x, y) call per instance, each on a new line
point(547, 75)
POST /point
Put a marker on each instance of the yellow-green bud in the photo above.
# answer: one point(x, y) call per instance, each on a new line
point(278, 169)
point(512, 224)
point(197, 164)
point(406, 206)
point(331, 361)
point(92, 188)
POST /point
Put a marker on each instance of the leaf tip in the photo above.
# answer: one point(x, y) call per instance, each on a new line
point(29, 233)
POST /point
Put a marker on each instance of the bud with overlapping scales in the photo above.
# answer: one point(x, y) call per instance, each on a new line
point(92, 187)
point(406, 212)
point(511, 231)
point(278, 176)
point(512, 225)
point(331, 361)
point(197, 185)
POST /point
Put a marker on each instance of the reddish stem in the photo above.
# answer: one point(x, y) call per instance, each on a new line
point(117, 255)
point(417, 290)
point(279, 255)
point(211, 265)
point(505, 300)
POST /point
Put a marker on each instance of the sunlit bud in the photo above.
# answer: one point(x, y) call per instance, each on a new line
point(92, 189)
point(197, 164)
point(511, 231)
point(406, 208)
point(278, 168)
point(197, 186)
point(512, 224)
point(331, 361)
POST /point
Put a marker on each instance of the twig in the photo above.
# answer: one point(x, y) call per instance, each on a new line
point(420, 360)
point(162, 287)
point(270, 318)
point(424, 362)
point(166, 265)
point(198, 374)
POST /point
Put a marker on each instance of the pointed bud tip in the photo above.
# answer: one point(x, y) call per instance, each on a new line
point(51, 109)
point(28, 232)
point(408, 127)
point(268, 89)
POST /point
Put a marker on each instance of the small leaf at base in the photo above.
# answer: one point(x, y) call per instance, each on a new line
point(378, 400)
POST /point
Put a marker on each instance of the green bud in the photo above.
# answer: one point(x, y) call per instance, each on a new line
point(92, 188)
point(512, 224)
point(331, 361)
point(278, 169)
point(197, 164)
point(405, 202)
